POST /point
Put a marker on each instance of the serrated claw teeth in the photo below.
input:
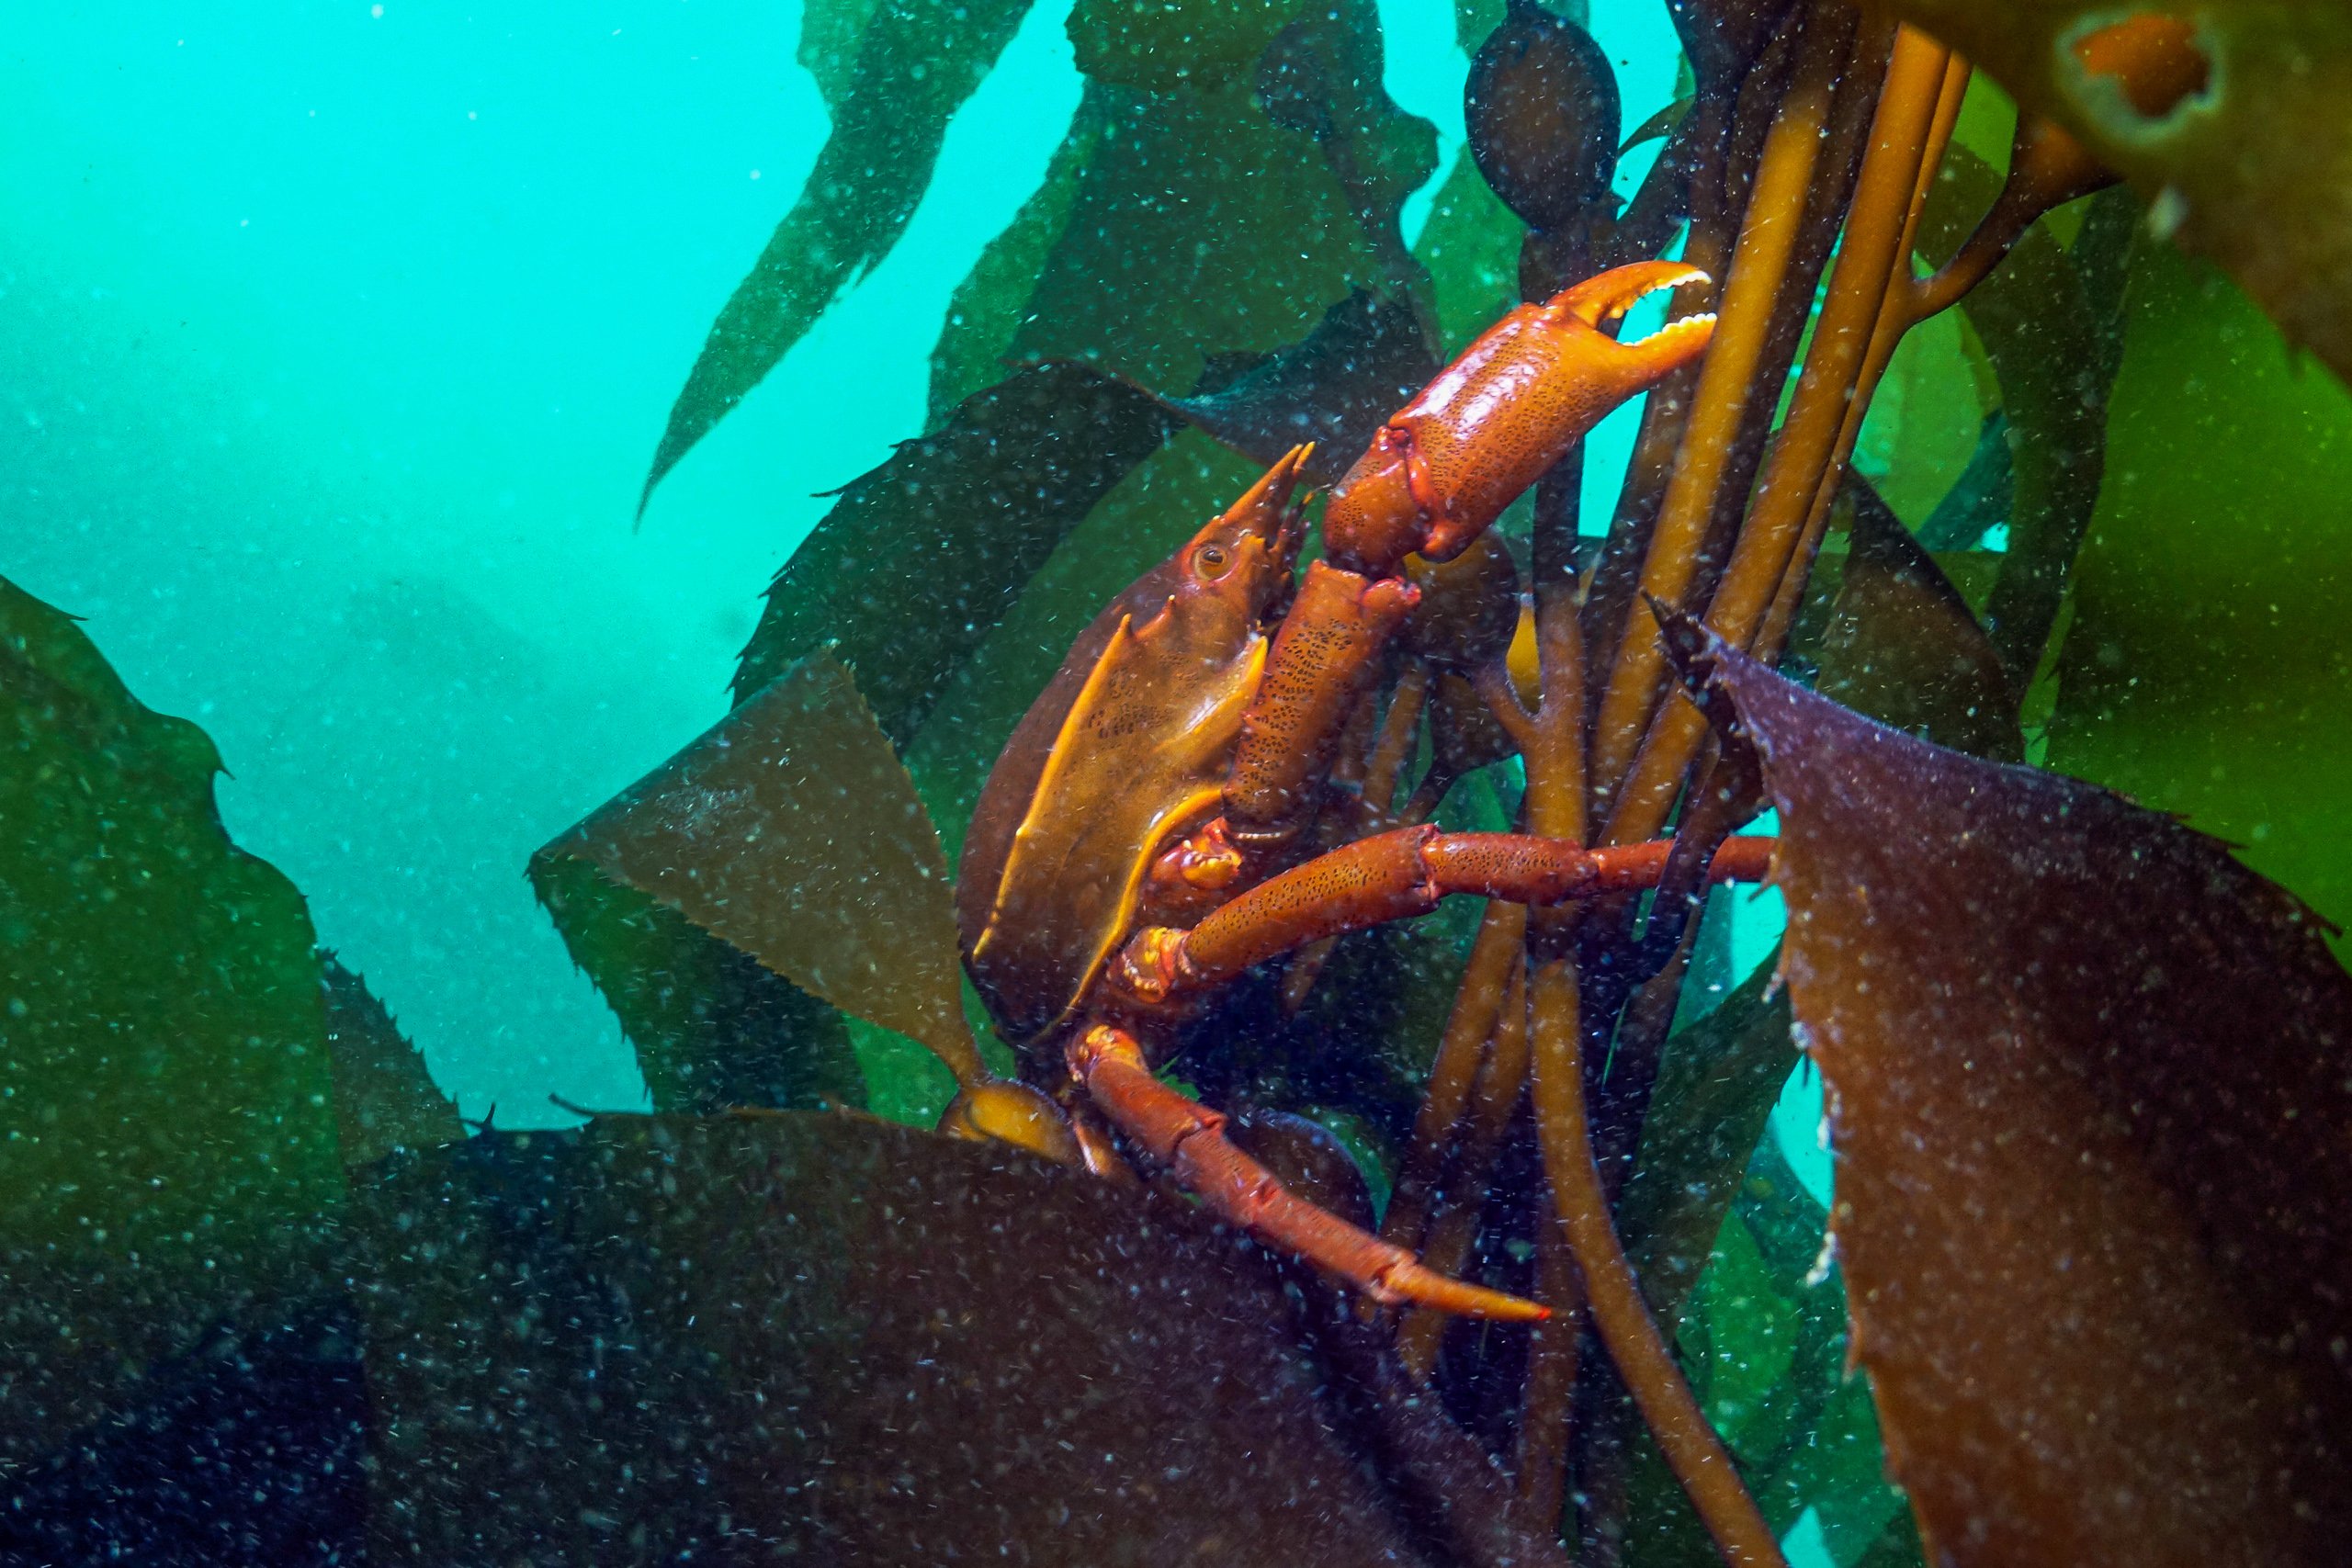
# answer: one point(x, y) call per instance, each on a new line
point(1697, 321)
point(1604, 299)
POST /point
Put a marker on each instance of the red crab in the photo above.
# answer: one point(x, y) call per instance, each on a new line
point(1145, 835)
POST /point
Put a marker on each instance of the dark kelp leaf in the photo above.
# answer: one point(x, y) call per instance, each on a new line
point(775, 1334)
point(2087, 1085)
point(2206, 667)
point(384, 1100)
point(921, 558)
point(250, 1448)
point(1324, 74)
point(166, 1137)
point(713, 1028)
point(831, 32)
point(1172, 46)
point(790, 830)
point(1364, 360)
point(1902, 647)
point(916, 62)
point(2254, 170)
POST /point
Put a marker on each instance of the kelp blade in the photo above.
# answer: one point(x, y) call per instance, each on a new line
point(888, 1348)
point(1902, 647)
point(2205, 669)
point(1366, 358)
point(921, 558)
point(384, 1100)
point(167, 1144)
point(2088, 1079)
point(916, 62)
point(791, 832)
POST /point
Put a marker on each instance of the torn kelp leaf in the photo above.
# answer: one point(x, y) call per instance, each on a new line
point(384, 1100)
point(2086, 1079)
point(167, 1137)
point(765, 1334)
point(917, 60)
point(922, 557)
point(2251, 165)
point(790, 831)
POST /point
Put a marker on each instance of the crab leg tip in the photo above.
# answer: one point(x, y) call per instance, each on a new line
point(1422, 1286)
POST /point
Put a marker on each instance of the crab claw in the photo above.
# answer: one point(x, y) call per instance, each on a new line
point(1442, 470)
point(1599, 300)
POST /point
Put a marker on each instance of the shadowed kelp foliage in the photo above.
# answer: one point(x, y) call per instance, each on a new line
point(167, 1140)
point(1902, 647)
point(2092, 1193)
point(1333, 387)
point(839, 1338)
point(921, 558)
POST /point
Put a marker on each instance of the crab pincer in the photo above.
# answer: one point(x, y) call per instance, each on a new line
point(1512, 405)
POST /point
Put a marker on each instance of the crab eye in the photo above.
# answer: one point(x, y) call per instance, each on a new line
point(1212, 561)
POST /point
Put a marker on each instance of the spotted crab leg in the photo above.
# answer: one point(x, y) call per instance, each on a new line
point(1397, 875)
point(1189, 1140)
point(1382, 877)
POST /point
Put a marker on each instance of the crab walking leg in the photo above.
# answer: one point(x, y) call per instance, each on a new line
point(1189, 1140)
point(1397, 875)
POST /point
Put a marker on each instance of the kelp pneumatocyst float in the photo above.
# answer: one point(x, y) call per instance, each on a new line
point(1320, 1116)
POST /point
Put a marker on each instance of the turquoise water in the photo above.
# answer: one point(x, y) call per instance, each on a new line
point(338, 338)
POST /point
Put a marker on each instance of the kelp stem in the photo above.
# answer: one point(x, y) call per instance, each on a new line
point(1830, 395)
point(1370, 760)
point(1695, 1454)
point(1900, 314)
point(1542, 1458)
point(1477, 1002)
point(1398, 733)
point(1555, 745)
point(1502, 1080)
point(1730, 126)
point(1727, 379)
